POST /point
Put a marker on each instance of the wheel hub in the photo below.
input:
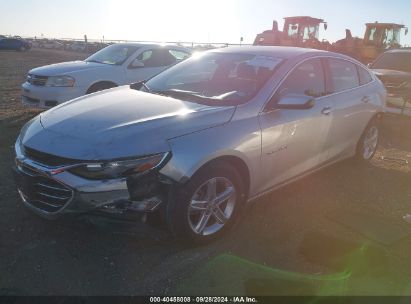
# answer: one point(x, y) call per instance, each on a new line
point(211, 206)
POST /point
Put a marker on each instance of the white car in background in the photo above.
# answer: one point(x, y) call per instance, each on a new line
point(115, 65)
point(77, 47)
point(52, 44)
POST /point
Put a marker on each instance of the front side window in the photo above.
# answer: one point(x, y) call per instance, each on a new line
point(115, 54)
point(307, 79)
point(216, 78)
point(344, 75)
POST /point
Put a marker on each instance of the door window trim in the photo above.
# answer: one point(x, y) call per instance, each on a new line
point(324, 58)
point(330, 75)
point(323, 67)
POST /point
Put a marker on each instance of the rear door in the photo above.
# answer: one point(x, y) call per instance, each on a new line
point(293, 140)
point(350, 109)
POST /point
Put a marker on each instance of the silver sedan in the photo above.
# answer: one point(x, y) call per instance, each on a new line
point(198, 141)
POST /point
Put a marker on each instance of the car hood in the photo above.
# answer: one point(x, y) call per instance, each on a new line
point(384, 74)
point(119, 123)
point(66, 68)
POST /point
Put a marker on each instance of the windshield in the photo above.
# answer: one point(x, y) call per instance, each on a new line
point(385, 36)
point(310, 32)
point(394, 61)
point(216, 78)
point(114, 54)
point(391, 37)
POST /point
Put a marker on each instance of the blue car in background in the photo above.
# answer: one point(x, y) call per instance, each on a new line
point(16, 44)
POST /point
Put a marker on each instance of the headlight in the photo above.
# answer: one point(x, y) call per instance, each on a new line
point(117, 169)
point(23, 130)
point(60, 81)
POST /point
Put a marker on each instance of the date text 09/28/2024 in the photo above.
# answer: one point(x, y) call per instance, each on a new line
point(203, 300)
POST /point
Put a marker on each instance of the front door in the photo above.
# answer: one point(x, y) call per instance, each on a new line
point(293, 140)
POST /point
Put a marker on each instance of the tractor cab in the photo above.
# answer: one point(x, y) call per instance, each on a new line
point(299, 30)
point(385, 35)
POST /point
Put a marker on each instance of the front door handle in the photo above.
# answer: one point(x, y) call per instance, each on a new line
point(365, 99)
point(326, 111)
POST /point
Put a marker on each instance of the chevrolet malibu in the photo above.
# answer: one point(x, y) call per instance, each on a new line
point(115, 65)
point(199, 141)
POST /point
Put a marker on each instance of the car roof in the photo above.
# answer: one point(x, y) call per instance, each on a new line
point(142, 44)
point(403, 50)
point(285, 52)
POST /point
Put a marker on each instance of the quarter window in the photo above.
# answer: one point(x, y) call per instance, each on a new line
point(306, 79)
point(344, 75)
point(364, 75)
point(179, 55)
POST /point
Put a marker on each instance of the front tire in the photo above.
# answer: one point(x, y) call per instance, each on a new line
point(208, 205)
point(369, 141)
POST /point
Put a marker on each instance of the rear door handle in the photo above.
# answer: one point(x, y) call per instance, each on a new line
point(365, 99)
point(326, 111)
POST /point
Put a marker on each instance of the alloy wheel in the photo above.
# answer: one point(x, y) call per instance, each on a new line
point(212, 206)
point(370, 142)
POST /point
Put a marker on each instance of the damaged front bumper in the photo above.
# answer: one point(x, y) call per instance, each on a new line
point(50, 194)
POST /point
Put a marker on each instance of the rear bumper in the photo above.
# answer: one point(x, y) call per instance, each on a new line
point(47, 97)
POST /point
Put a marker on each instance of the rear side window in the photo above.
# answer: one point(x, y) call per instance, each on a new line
point(306, 79)
point(156, 58)
point(364, 75)
point(344, 75)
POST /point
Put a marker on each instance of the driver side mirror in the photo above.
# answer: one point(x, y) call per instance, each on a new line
point(325, 26)
point(136, 64)
point(406, 31)
point(295, 102)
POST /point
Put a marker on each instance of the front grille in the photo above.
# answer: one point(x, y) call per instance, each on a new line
point(43, 192)
point(48, 159)
point(37, 80)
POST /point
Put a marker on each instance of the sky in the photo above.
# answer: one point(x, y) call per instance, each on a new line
point(205, 21)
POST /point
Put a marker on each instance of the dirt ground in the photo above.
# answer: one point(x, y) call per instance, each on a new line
point(338, 232)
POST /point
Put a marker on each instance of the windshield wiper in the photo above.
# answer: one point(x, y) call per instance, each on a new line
point(197, 98)
point(180, 93)
point(96, 61)
point(138, 85)
point(146, 86)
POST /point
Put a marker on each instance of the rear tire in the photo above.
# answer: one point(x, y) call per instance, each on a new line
point(100, 86)
point(208, 205)
point(369, 141)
